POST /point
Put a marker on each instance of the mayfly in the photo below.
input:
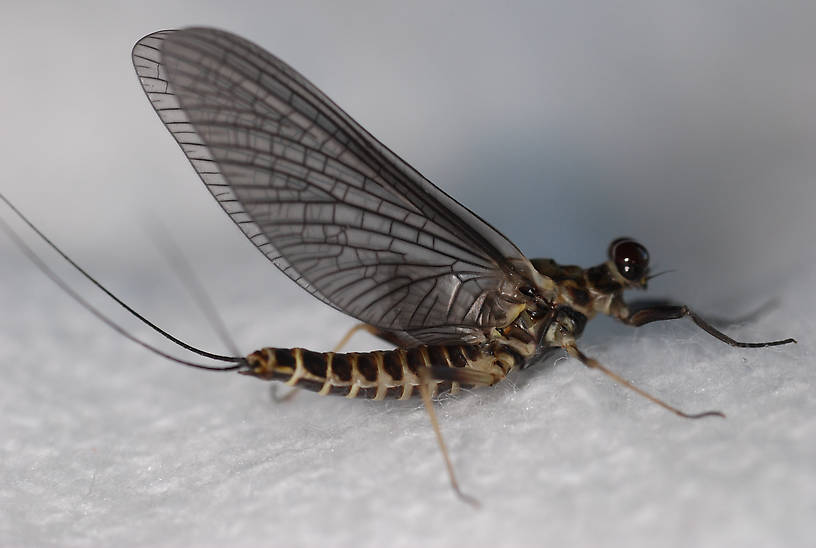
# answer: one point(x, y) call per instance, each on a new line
point(360, 229)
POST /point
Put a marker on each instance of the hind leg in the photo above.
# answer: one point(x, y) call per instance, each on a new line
point(357, 328)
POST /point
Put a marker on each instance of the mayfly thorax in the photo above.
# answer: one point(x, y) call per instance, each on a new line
point(361, 230)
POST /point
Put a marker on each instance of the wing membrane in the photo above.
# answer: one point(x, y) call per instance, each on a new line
point(332, 207)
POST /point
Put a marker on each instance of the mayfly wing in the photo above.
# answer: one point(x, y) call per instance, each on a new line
point(325, 201)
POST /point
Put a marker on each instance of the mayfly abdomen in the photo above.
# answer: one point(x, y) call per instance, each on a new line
point(376, 375)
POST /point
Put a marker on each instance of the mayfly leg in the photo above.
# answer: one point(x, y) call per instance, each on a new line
point(668, 311)
point(592, 363)
point(425, 392)
point(353, 331)
point(654, 311)
point(717, 321)
point(468, 376)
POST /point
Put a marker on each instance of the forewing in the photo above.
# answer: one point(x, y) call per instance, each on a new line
point(332, 207)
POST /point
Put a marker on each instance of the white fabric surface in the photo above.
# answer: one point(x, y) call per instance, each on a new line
point(104, 444)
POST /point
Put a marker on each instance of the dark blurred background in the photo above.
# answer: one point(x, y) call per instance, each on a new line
point(687, 125)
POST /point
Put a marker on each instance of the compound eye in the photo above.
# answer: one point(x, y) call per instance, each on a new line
point(630, 258)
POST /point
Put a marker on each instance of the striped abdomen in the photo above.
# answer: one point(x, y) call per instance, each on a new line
point(379, 374)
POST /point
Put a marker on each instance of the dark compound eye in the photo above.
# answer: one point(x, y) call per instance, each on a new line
point(630, 258)
point(528, 290)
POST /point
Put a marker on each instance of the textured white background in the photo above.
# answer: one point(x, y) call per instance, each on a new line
point(689, 126)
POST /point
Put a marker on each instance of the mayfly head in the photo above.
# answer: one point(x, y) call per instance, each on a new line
point(629, 262)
